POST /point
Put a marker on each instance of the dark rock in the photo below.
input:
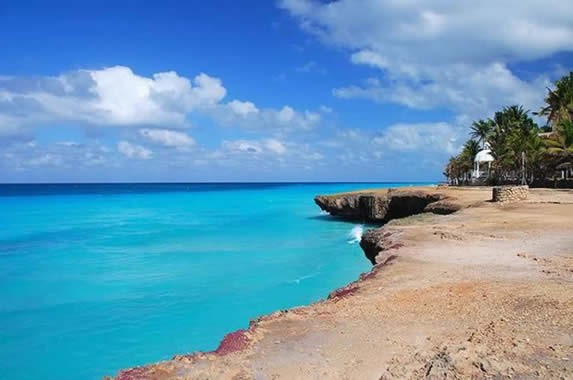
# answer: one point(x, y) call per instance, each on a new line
point(403, 204)
point(382, 207)
point(345, 206)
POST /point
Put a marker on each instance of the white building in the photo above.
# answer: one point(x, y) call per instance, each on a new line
point(482, 162)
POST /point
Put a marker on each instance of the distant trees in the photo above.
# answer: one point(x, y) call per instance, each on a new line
point(459, 168)
point(515, 139)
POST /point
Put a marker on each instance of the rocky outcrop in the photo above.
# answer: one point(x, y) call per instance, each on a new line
point(380, 207)
point(378, 245)
point(344, 205)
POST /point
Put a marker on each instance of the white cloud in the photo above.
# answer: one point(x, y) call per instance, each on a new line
point(266, 153)
point(243, 108)
point(468, 90)
point(264, 146)
point(396, 145)
point(442, 53)
point(63, 154)
point(134, 151)
point(440, 32)
point(110, 96)
point(168, 138)
point(116, 96)
point(47, 159)
point(275, 146)
point(420, 137)
point(248, 116)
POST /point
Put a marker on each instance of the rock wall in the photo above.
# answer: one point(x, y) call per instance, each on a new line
point(378, 245)
point(510, 193)
point(380, 207)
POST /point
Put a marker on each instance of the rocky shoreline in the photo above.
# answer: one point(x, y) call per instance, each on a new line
point(382, 207)
point(483, 292)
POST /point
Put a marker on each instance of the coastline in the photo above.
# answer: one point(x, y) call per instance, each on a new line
point(438, 272)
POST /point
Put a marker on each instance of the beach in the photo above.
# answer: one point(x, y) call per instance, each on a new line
point(485, 292)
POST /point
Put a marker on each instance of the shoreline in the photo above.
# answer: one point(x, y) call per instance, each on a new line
point(273, 341)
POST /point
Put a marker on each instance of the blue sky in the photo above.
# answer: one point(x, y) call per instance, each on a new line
point(290, 90)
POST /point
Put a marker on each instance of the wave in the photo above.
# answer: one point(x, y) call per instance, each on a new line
point(355, 234)
point(298, 280)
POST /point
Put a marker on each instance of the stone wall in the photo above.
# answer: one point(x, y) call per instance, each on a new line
point(510, 193)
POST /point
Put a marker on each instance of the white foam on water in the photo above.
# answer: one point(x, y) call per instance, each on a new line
point(355, 234)
point(298, 280)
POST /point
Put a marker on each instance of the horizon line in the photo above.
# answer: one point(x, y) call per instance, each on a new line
point(209, 182)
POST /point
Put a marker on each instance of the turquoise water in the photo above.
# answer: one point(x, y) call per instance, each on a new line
point(95, 278)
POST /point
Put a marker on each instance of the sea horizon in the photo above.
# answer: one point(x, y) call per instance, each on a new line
point(213, 182)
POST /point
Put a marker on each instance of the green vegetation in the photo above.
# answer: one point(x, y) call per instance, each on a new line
point(522, 151)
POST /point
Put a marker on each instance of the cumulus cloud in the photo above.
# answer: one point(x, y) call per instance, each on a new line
point(243, 108)
point(116, 96)
point(110, 96)
point(134, 151)
point(168, 138)
point(436, 53)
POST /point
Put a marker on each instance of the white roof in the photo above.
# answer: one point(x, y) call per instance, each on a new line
point(484, 156)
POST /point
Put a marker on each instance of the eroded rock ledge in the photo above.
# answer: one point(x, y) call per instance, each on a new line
point(383, 206)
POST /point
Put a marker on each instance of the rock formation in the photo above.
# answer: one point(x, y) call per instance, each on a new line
point(381, 207)
point(378, 245)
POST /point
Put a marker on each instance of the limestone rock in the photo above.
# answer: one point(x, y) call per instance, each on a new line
point(381, 207)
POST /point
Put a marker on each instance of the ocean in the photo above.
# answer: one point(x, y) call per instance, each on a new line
point(95, 278)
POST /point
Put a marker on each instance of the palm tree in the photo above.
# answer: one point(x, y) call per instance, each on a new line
point(559, 102)
point(561, 144)
point(470, 150)
point(481, 130)
point(513, 133)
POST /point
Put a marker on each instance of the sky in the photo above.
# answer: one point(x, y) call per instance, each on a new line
point(255, 91)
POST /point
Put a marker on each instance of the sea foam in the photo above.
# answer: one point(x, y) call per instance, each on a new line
point(355, 234)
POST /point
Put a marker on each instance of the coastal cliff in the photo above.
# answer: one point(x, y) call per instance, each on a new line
point(383, 206)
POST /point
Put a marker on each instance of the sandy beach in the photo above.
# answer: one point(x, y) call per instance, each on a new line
point(486, 292)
